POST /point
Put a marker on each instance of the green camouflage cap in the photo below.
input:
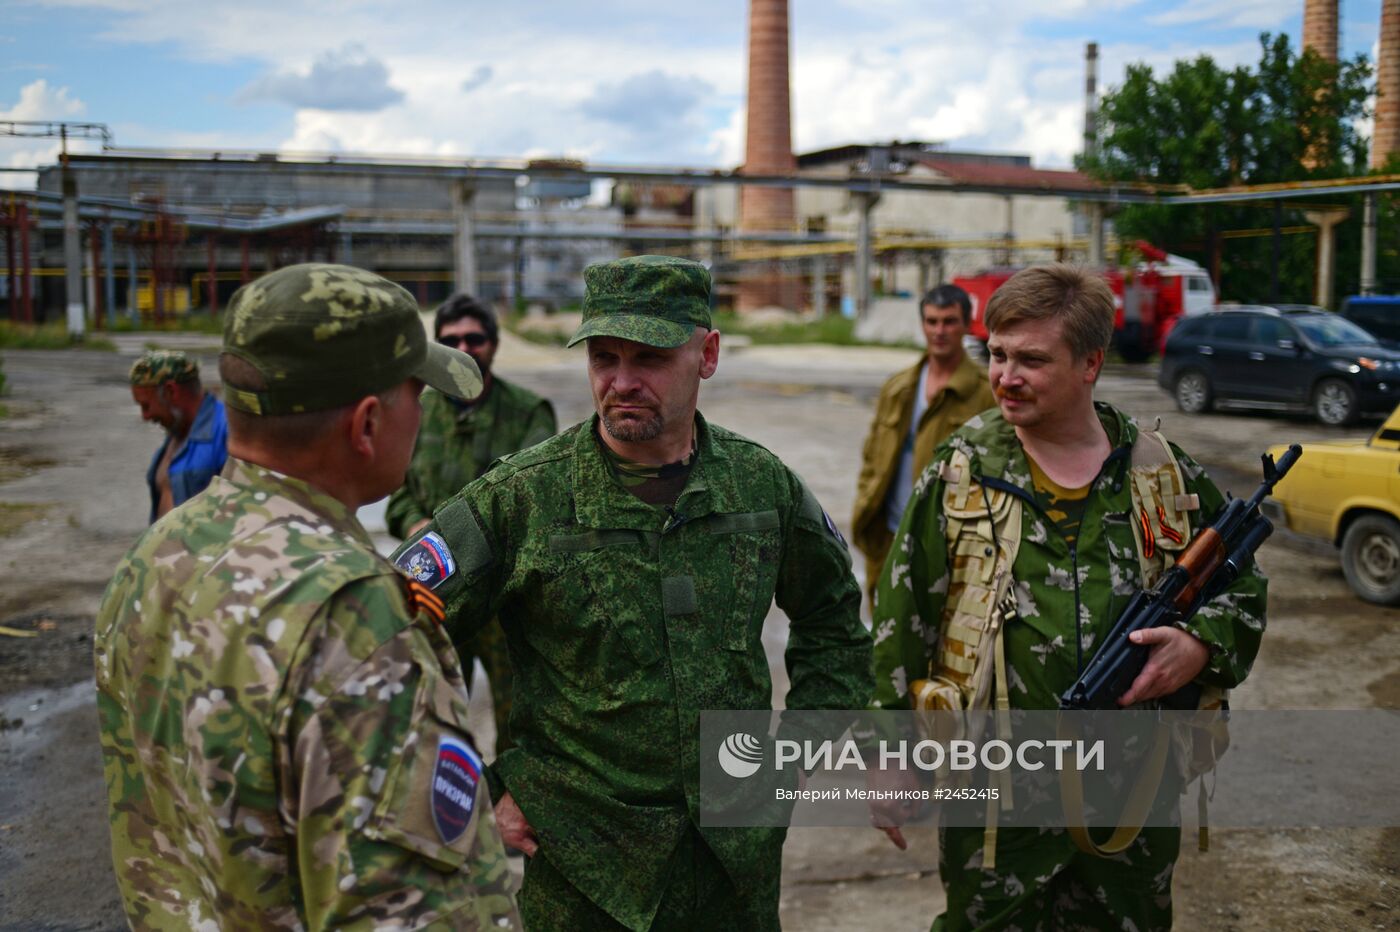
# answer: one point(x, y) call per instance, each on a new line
point(656, 300)
point(325, 335)
point(160, 366)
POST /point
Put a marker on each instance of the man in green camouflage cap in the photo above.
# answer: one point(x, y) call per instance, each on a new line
point(165, 386)
point(283, 719)
point(632, 560)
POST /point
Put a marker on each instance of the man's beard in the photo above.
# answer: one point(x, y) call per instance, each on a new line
point(637, 427)
point(633, 430)
point(177, 426)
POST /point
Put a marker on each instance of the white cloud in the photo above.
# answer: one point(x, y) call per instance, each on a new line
point(345, 79)
point(627, 81)
point(1252, 14)
point(39, 101)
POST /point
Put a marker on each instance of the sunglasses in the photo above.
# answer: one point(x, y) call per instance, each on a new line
point(473, 340)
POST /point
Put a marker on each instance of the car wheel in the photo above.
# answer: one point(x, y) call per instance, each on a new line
point(1371, 558)
point(1334, 402)
point(1193, 392)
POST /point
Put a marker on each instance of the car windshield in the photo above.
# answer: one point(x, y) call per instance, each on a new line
point(1333, 331)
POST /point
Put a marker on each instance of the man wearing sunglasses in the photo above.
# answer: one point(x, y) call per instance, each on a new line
point(456, 443)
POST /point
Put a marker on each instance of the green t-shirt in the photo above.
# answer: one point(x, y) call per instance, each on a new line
point(1064, 507)
point(656, 485)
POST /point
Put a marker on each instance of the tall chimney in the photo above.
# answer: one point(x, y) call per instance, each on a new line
point(1320, 27)
point(768, 141)
point(1320, 35)
point(1091, 97)
point(1386, 139)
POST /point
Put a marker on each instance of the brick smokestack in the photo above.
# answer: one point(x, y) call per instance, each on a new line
point(1386, 140)
point(1320, 35)
point(1320, 27)
point(768, 141)
point(1091, 98)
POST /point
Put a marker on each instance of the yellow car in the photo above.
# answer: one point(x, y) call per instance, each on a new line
point(1348, 492)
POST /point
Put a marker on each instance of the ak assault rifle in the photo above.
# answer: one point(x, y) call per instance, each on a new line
point(1209, 564)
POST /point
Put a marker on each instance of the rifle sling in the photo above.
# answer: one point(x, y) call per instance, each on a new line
point(1135, 810)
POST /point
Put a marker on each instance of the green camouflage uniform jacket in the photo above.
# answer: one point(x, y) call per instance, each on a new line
point(456, 444)
point(1054, 583)
point(277, 709)
point(624, 621)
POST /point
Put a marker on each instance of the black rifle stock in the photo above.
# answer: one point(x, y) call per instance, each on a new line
point(1209, 564)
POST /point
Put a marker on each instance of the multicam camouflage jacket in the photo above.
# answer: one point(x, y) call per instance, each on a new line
point(457, 443)
point(1054, 582)
point(283, 727)
point(624, 621)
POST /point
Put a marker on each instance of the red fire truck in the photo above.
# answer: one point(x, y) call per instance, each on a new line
point(1149, 296)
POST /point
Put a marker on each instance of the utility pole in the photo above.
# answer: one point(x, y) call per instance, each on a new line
point(72, 241)
point(72, 245)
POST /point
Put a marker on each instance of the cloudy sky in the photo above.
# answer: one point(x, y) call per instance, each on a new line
point(622, 81)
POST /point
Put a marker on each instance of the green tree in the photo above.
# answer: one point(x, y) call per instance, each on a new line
point(1290, 118)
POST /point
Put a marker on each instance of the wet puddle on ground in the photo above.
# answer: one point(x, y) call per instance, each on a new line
point(27, 718)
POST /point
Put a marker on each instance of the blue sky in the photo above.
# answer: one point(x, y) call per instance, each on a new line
point(614, 80)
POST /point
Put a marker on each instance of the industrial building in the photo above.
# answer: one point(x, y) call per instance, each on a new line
point(159, 231)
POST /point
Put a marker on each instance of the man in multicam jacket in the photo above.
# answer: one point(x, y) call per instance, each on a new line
point(1076, 567)
point(632, 560)
point(457, 441)
point(283, 721)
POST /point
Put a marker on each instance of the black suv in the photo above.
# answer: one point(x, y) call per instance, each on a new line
point(1378, 315)
point(1297, 357)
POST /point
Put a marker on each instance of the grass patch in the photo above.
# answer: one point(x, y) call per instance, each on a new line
point(833, 329)
point(14, 516)
point(550, 330)
point(195, 321)
point(47, 336)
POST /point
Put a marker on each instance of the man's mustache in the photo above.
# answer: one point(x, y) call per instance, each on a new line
point(1012, 394)
point(633, 398)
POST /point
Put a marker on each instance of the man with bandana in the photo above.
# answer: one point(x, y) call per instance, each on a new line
point(632, 560)
point(165, 385)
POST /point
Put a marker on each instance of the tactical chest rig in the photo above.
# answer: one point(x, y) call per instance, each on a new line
point(968, 670)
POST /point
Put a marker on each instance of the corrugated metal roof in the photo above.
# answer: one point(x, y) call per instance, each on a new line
point(1010, 176)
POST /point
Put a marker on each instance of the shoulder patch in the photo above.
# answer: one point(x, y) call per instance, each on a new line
point(459, 525)
point(835, 531)
point(455, 777)
point(428, 561)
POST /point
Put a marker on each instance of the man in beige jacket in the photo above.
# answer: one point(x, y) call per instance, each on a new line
point(918, 408)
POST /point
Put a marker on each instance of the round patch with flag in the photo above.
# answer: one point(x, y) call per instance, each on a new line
point(455, 776)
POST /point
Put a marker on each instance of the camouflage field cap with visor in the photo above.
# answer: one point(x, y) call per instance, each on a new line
point(156, 367)
point(656, 300)
point(325, 335)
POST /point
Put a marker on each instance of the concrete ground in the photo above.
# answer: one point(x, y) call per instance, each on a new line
point(72, 459)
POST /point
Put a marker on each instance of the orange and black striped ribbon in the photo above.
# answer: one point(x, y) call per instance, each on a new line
point(426, 601)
